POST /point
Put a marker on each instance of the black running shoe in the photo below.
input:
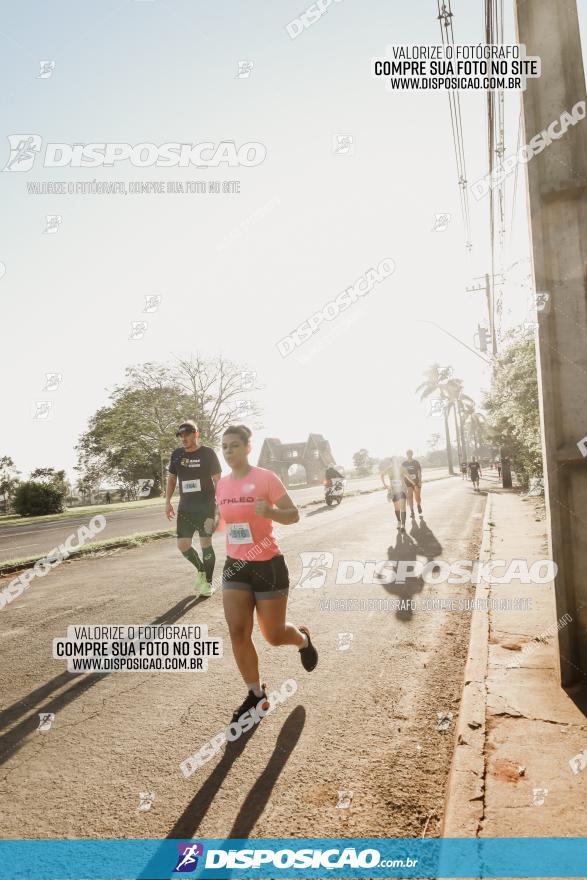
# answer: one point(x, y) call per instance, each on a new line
point(250, 702)
point(309, 655)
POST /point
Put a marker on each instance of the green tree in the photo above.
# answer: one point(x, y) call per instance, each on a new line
point(8, 480)
point(512, 408)
point(458, 402)
point(55, 478)
point(435, 384)
point(363, 463)
point(476, 427)
point(36, 499)
point(132, 437)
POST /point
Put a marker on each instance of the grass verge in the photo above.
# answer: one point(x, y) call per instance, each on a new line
point(88, 510)
point(9, 566)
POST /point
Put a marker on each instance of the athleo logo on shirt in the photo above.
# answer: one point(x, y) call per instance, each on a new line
point(241, 500)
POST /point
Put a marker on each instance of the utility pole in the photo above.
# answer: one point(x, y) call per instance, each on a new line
point(487, 286)
point(557, 200)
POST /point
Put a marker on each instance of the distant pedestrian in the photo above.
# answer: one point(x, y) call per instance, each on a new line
point(108, 498)
point(475, 473)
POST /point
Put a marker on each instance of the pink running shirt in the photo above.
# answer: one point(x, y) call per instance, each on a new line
point(248, 536)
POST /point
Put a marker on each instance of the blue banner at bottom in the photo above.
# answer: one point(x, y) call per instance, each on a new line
point(510, 857)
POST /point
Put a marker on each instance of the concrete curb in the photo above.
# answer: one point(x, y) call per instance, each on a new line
point(465, 793)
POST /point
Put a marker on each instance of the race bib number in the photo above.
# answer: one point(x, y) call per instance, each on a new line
point(190, 486)
point(397, 485)
point(240, 533)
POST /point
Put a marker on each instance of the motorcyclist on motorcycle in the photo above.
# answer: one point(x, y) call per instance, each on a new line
point(334, 486)
point(333, 474)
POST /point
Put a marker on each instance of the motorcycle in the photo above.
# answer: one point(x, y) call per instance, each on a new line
point(334, 491)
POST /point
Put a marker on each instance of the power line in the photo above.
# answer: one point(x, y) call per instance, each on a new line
point(445, 16)
point(518, 140)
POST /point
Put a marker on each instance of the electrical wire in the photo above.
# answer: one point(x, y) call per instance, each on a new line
point(445, 16)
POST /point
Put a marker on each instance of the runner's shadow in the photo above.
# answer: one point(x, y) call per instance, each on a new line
point(255, 802)
point(426, 541)
point(405, 550)
point(12, 740)
point(322, 509)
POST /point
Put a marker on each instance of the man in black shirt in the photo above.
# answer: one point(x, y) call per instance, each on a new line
point(198, 470)
point(475, 473)
point(414, 469)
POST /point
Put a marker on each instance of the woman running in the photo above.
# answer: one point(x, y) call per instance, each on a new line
point(255, 575)
point(399, 479)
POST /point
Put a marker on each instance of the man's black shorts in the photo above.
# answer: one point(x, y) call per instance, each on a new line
point(266, 579)
point(190, 521)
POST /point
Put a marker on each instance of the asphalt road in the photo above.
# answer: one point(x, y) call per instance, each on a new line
point(37, 538)
point(365, 721)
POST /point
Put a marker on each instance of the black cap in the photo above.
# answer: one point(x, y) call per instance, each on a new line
point(186, 428)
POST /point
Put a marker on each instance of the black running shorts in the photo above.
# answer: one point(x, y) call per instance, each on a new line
point(190, 521)
point(265, 579)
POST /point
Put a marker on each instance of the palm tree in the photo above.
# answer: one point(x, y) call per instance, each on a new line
point(477, 426)
point(459, 402)
point(435, 381)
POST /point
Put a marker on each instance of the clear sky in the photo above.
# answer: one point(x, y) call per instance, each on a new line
point(158, 71)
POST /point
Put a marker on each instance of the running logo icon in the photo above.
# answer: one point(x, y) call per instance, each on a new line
point(23, 150)
point(187, 861)
point(315, 567)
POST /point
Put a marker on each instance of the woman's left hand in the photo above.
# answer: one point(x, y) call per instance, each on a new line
point(262, 508)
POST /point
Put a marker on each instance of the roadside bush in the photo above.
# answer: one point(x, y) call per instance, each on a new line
point(36, 499)
point(512, 408)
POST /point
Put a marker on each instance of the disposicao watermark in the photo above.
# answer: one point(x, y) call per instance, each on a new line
point(331, 310)
point(528, 650)
point(316, 564)
point(536, 145)
point(312, 14)
point(55, 557)
point(24, 149)
point(234, 730)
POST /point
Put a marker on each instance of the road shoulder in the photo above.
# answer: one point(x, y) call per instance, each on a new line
point(518, 730)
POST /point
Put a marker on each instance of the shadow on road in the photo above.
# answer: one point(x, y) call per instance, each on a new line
point(322, 509)
point(427, 544)
point(576, 692)
point(255, 802)
point(12, 740)
point(257, 798)
point(405, 550)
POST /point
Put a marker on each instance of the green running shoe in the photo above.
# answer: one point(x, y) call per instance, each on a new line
point(204, 587)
